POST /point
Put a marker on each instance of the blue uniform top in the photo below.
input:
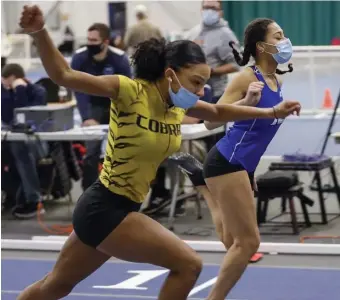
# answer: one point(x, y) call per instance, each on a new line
point(246, 141)
point(116, 62)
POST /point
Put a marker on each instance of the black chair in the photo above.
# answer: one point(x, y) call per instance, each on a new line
point(286, 196)
point(325, 163)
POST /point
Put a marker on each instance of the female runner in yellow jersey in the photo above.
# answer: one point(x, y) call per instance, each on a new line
point(144, 129)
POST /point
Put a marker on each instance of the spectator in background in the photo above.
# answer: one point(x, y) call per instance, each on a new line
point(97, 58)
point(17, 91)
point(140, 32)
point(214, 35)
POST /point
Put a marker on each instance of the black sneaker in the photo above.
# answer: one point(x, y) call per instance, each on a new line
point(190, 166)
point(27, 211)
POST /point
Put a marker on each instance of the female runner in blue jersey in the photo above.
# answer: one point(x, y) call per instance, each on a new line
point(229, 167)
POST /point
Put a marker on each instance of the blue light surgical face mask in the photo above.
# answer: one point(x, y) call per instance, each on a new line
point(285, 51)
point(183, 98)
point(210, 17)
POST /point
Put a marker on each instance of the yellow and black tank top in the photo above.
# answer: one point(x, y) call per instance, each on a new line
point(142, 134)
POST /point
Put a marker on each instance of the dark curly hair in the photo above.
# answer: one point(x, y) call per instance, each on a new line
point(255, 32)
point(153, 56)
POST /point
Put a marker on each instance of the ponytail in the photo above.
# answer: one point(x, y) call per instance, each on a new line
point(149, 59)
point(241, 59)
point(290, 69)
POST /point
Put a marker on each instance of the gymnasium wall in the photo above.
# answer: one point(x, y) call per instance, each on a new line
point(305, 22)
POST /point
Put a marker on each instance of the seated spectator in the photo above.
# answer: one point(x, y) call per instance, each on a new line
point(17, 91)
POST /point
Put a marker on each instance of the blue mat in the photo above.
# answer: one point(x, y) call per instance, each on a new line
point(258, 283)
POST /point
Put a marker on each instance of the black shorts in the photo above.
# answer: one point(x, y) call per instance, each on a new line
point(98, 212)
point(216, 164)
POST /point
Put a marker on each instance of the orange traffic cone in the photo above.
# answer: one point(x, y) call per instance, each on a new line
point(327, 100)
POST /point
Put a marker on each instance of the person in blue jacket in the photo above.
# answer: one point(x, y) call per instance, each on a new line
point(17, 91)
point(97, 58)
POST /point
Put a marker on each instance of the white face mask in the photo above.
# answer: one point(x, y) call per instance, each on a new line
point(210, 16)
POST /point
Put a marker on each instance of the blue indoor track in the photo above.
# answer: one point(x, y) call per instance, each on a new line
point(126, 281)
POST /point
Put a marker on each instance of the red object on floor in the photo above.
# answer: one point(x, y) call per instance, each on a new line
point(256, 257)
